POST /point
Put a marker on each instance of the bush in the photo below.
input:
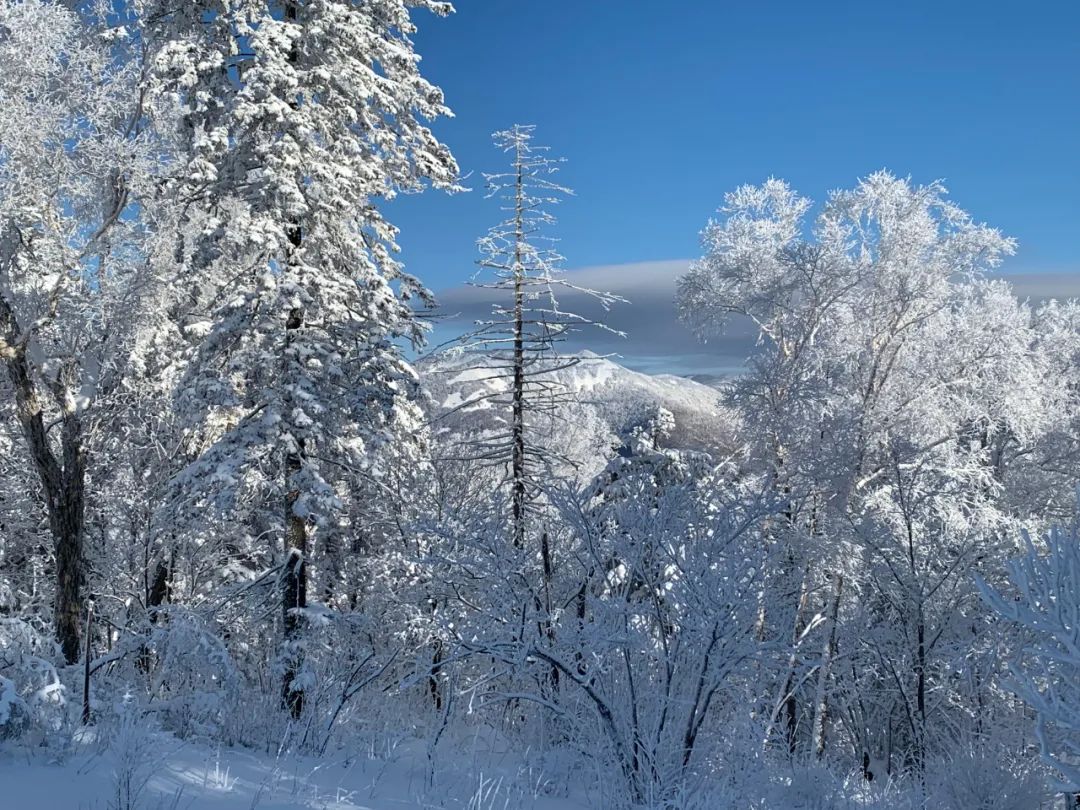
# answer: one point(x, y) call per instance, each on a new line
point(978, 782)
point(32, 698)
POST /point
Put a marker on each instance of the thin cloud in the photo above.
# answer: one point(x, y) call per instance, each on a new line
point(656, 342)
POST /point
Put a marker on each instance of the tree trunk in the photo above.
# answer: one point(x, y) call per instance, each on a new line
point(434, 688)
point(786, 703)
point(294, 580)
point(158, 594)
point(62, 479)
point(518, 395)
point(68, 602)
point(549, 626)
point(821, 704)
point(71, 519)
point(86, 667)
point(293, 595)
point(920, 693)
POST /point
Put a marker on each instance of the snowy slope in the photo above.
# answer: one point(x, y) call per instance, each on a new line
point(599, 400)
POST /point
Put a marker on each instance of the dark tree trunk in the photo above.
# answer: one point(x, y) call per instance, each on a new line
point(63, 479)
point(294, 581)
point(790, 710)
point(433, 679)
point(72, 521)
point(68, 602)
point(157, 594)
point(920, 693)
point(518, 393)
point(159, 588)
point(293, 599)
point(86, 666)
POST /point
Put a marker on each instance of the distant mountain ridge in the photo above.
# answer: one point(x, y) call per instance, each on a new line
point(602, 401)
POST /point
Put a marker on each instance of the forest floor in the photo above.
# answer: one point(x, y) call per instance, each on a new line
point(172, 775)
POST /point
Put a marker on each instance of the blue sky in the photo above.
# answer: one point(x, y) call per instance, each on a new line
point(661, 107)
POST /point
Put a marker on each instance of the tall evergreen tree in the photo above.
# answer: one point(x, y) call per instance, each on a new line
point(302, 116)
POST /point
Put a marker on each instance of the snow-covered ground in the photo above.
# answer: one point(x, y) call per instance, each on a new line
point(172, 775)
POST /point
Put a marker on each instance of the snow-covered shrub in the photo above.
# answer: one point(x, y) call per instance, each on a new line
point(666, 635)
point(1045, 605)
point(810, 787)
point(132, 740)
point(32, 698)
point(194, 682)
point(351, 666)
point(634, 650)
point(15, 715)
point(979, 782)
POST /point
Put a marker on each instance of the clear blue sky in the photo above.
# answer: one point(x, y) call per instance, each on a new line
point(660, 107)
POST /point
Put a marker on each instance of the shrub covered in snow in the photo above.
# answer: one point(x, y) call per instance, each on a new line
point(33, 700)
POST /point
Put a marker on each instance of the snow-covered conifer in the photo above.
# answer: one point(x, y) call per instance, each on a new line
point(302, 117)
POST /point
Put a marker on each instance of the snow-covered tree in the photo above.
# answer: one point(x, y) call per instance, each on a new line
point(73, 158)
point(521, 343)
point(303, 115)
point(895, 393)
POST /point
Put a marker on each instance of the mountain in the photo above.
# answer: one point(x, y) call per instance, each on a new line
point(596, 401)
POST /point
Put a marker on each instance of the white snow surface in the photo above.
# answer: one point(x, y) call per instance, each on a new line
point(174, 775)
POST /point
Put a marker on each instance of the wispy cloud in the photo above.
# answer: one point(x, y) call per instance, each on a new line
point(656, 342)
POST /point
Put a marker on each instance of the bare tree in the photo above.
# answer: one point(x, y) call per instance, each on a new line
point(521, 346)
